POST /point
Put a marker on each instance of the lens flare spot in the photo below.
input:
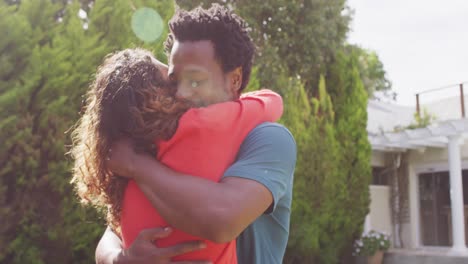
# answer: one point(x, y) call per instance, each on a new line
point(147, 24)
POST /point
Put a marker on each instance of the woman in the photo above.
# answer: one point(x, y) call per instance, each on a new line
point(130, 97)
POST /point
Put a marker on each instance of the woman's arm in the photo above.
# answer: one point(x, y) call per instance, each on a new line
point(251, 109)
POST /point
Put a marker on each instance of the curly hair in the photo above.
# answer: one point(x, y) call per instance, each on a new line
point(129, 97)
point(228, 32)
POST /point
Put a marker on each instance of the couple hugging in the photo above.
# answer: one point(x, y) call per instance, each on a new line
point(190, 169)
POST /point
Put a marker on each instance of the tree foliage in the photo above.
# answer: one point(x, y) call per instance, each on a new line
point(48, 56)
point(350, 100)
point(372, 73)
point(47, 59)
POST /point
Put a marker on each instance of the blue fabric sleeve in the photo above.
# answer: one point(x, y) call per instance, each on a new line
point(268, 156)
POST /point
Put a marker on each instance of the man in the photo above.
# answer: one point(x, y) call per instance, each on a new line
point(210, 61)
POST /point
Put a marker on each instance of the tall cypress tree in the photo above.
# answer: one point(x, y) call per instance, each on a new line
point(34, 169)
point(350, 100)
point(49, 56)
point(312, 124)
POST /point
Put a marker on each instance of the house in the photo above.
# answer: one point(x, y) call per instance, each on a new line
point(419, 193)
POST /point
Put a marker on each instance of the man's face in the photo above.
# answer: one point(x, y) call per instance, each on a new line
point(198, 74)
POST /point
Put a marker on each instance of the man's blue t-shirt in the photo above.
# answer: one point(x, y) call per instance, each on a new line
point(268, 156)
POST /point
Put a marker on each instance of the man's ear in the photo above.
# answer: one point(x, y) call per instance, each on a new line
point(235, 79)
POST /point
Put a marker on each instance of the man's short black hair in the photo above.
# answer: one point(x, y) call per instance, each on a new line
point(228, 32)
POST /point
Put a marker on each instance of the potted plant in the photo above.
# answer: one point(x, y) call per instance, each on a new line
point(372, 245)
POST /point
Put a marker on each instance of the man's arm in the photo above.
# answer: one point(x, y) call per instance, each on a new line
point(216, 211)
point(143, 250)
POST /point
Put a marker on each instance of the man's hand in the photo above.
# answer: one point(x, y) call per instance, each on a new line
point(121, 158)
point(144, 251)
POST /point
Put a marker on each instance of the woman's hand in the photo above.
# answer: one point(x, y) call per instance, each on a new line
point(121, 158)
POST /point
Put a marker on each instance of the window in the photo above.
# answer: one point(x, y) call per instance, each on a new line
point(380, 176)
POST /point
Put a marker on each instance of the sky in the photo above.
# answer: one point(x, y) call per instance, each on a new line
point(423, 44)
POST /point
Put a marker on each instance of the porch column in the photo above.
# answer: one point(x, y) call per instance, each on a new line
point(456, 194)
point(367, 223)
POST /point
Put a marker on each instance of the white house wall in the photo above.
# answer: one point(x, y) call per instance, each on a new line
point(380, 214)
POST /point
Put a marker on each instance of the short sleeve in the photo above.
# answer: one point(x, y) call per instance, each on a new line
point(268, 156)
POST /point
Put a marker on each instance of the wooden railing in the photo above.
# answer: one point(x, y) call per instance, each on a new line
point(462, 98)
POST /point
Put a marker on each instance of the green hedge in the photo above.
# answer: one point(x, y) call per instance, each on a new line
point(47, 60)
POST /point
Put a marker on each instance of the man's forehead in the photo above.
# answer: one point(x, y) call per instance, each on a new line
point(200, 49)
point(192, 57)
point(184, 68)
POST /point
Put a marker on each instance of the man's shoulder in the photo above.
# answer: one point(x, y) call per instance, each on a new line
point(271, 131)
point(267, 145)
point(271, 126)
